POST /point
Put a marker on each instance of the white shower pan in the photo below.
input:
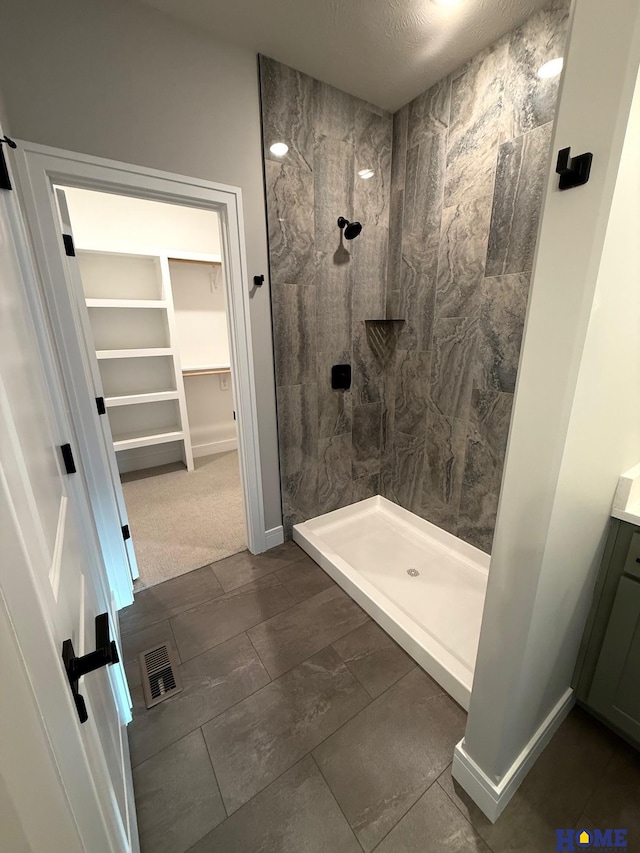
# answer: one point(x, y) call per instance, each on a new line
point(425, 587)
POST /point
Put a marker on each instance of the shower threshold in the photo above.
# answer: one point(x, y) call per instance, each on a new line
point(424, 586)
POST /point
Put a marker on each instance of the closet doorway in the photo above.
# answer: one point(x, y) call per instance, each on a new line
point(151, 285)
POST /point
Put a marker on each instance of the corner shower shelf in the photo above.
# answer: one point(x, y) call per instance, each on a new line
point(386, 320)
point(148, 397)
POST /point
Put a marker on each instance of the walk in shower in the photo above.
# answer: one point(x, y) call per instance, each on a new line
point(391, 484)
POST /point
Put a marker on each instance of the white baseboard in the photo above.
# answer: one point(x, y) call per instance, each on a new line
point(212, 447)
point(493, 798)
point(274, 537)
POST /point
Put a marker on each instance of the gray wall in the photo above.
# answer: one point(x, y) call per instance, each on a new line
point(427, 420)
point(121, 80)
point(323, 289)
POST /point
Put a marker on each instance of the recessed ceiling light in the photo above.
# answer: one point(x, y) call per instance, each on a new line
point(365, 174)
point(551, 68)
point(279, 149)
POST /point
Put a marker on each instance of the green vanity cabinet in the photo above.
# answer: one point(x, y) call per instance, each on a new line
point(608, 672)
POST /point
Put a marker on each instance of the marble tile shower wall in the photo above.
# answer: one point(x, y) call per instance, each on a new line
point(450, 224)
point(469, 166)
point(323, 289)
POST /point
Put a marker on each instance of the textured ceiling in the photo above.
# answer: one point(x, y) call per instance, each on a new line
point(385, 51)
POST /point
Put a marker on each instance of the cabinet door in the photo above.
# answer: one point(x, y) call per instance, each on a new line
point(615, 690)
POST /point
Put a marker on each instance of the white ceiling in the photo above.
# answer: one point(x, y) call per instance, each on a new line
point(385, 51)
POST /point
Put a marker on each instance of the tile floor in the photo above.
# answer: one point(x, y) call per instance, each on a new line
point(303, 728)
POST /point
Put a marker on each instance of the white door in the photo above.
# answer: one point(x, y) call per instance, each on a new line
point(95, 381)
point(52, 576)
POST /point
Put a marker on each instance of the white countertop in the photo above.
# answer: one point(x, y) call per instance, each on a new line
point(626, 503)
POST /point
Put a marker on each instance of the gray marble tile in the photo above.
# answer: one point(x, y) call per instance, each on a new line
point(370, 360)
point(424, 187)
point(504, 305)
point(433, 825)
point(417, 295)
point(366, 487)
point(297, 812)
point(443, 474)
point(290, 209)
point(334, 406)
point(399, 148)
point(474, 125)
point(134, 644)
point(394, 254)
point(429, 112)
point(404, 470)
point(334, 472)
point(520, 181)
point(177, 798)
point(291, 637)
point(254, 742)
point(369, 262)
point(477, 516)
point(245, 567)
point(462, 256)
point(453, 365)
point(299, 497)
point(212, 682)
point(212, 623)
point(333, 304)
point(529, 101)
point(412, 392)
point(304, 579)
point(553, 793)
point(159, 602)
point(287, 112)
point(366, 438)
point(297, 427)
point(294, 333)
point(373, 657)
point(334, 113)
point(333, 190)
point(372, 151)
point(382, 761)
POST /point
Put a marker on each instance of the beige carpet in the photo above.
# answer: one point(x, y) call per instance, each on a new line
point(180, 521)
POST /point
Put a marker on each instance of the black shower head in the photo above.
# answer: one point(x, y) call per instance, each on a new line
point(351, 229)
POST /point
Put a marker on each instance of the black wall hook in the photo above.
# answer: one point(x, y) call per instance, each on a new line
point(573, 171)
point(5, 181)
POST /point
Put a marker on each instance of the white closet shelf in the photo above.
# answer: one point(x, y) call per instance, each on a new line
point(126, 303)
point(145, 439)
point(204, 369)
point(147, 397)
point(133, 353)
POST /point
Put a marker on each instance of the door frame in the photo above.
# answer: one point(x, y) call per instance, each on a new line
point(39, 167)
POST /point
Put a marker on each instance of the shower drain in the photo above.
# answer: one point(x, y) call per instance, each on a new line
point(413, 573)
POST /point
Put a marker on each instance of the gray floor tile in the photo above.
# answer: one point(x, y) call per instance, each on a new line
point(166, 599)
point(212, 682)
point(433, 825)
point(295, 814)
point(552, 796)
point(383, 760)
point(254, 742)
point(134, 644)
point(204, 627)
point(304, 578)
point(616, 799)
point(291, 637)
point(374, 658)
point(245, 567)
point(177, 798)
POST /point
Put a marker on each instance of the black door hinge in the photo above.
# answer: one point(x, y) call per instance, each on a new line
point(69, 248)
point(67, 458)
point(100, 406)
point(234, 416)
point(125, 532)
point(5, 180)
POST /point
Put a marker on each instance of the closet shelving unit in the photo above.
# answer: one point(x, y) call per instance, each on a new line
point(131, 311)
